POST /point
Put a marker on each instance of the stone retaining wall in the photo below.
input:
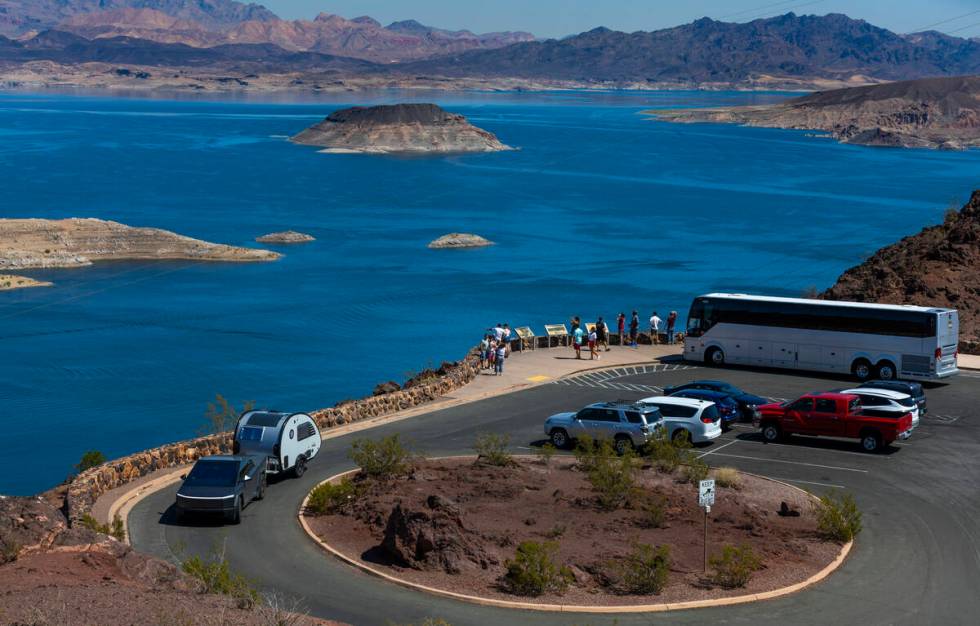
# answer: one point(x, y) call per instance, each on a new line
point(86, 488)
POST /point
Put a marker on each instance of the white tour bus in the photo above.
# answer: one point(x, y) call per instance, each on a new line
point(885, 341)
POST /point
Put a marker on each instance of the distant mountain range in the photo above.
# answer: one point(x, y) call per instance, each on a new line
point(789, 50)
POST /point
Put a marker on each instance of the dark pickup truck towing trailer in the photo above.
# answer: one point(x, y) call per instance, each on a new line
point(832, 415)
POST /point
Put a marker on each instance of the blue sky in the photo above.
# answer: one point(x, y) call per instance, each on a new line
point(556, 18)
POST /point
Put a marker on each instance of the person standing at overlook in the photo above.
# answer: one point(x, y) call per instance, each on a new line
point(671, 323)
point(621, 327)
point(577, 341)
point(655, 322)
point(602, 333)
point(634, 328)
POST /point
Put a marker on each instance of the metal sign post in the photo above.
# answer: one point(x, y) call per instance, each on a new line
point(706, 497)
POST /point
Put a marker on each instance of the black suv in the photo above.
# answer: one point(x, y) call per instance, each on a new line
point(221, 485)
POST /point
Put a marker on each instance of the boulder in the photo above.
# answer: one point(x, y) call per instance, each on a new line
point(460, 240)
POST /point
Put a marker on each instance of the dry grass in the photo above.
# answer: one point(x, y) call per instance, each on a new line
point(728, 477)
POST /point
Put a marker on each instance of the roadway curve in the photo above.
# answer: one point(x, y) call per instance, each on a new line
point(917, 561)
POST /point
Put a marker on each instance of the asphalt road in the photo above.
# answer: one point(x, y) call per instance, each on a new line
point(916, 562)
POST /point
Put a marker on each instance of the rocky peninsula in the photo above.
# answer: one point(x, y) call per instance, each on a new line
point(9, 282)
point(77, 242)
point(460, 240)
point(286, 236)
point(928, 113)
point(940, 266)
point(398, 128)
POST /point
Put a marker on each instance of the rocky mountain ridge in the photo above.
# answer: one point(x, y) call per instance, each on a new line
point(939, 266)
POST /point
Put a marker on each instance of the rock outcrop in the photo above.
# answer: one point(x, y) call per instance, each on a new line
point(286, 236)
point(398, 128)
point(9, 282)
point(939, 266)
point(929, 113)
point(460, 240)
point(40, 243)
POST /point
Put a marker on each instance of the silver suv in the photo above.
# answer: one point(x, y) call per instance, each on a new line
point(628, 425)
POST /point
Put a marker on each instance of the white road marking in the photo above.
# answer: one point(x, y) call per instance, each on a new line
point(807, 482)
point(833, 467)
point(714, 450)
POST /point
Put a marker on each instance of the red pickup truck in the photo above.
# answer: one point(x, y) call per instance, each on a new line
point(831, 415)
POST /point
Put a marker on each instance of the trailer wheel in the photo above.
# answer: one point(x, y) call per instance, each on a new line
point(300, 468)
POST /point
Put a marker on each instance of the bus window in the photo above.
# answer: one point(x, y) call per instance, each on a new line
point(701, 318)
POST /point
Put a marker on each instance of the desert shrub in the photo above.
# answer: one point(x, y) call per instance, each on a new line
point(115, 529)
point(645, 570)
point(382, 459)
point(221, 415)
point(586, 452)
point(665, 454)
point(728, 477)
point(216, 576)
point(838, 517)
point(695, 470)
point(613, 477)
point(92, 458)
point(9, 551)
point(653, 511)
point(734, 566)
point(492, 448)
point(276, 609)
point(535, 570)
point(329, 498)
point(545, 453)
point(556, 531)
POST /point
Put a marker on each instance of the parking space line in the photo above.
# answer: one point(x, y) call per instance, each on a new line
point(863, 455)
point(807, 482)
point(712, 451)
point(833, 467)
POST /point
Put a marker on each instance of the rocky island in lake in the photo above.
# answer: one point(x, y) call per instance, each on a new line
point(398, 128)
point(927, 113)
point(76, 242)
point(286, 236)
point(9, 282)
point(460, 240)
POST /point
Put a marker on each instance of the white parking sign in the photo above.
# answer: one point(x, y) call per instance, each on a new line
point(706, 493)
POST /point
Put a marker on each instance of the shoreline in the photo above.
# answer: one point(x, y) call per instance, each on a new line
point(12, 282)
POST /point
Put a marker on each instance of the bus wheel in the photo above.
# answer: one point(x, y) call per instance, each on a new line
point(886, 370)
point(861, 369)
point(715, 356)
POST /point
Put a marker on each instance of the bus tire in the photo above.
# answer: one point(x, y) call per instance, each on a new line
point(714, 356)
point(862, 369)
point(871, 441)
point(885, 370)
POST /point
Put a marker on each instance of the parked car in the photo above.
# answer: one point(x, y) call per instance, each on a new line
point(221, 485)
point(747, 402)
point(832, 415)
point(626, 424)
point(698, 421)
point(727, 405)
point(911, 388)
point(288, 441)
point(886, 400)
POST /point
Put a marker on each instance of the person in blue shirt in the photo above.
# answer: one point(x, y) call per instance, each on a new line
point(577, 341)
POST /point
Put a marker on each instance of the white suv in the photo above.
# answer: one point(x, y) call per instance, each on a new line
point(878, 401)
point(697, 420)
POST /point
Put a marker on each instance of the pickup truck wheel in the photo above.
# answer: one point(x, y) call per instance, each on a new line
point(861, 369)
point(300, 468)
point(871, 442)
point(260, 492)
point(772, 433)
point(886, 370)
point(623, 445)
point(559, 438)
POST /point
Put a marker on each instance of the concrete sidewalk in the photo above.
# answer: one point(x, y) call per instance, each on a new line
point(968, 362)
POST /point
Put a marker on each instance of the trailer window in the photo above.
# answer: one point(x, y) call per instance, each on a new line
point(305, 431)
point(249, 433)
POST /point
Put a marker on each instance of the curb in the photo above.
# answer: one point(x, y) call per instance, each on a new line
point(572, 608)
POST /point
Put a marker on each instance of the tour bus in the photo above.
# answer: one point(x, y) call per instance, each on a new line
point(882, 341)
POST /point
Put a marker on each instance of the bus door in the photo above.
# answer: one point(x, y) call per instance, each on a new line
point(784, 354)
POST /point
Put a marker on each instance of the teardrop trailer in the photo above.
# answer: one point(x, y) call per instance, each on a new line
point(288, 441)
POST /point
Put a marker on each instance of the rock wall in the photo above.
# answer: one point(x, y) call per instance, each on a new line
point(86, 488)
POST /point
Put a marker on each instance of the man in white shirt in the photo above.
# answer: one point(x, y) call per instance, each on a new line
point(655, 323)
point(498, 332)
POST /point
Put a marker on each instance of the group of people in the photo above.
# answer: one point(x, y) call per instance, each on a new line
point(657, 324)
point(494, 348)
point(598, 336)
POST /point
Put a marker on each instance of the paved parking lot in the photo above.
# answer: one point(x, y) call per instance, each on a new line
point(917, 561)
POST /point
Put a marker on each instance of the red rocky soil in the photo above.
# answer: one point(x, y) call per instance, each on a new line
point(453, 523)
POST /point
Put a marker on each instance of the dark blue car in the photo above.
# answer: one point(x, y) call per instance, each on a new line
point(747, 402)
point(727, 405)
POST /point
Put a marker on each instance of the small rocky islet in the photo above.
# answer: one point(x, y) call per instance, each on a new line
point(398, 129)
point(286, 237)
point(460, 240)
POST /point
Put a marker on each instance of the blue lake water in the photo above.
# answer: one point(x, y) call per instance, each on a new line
point(600, 210)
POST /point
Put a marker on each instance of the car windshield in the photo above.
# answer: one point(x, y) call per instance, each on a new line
point(213, 474)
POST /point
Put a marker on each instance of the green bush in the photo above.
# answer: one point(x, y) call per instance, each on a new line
point(215, 574)
point(382, 459)
point(329, 498)
point(665, 454)
point(646, 569)
point(115, 529)
point(492, 448)
point(545, 453)
point(586, 452)
point(695, 470)
point(535, 570)
point(734, 566)
point(556, 531)
point(92, 458)
point(838, 517)
point(9, 551)
point(612, 476)
point(653, 511)
point(221, 415)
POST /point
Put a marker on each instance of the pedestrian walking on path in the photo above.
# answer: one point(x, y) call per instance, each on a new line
point(593, 347)
point(634, 328)
point(621, 326)
point(577, 341)
point(671, 323)
point(501, 355)
point(655, 322)
point(602, 333)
